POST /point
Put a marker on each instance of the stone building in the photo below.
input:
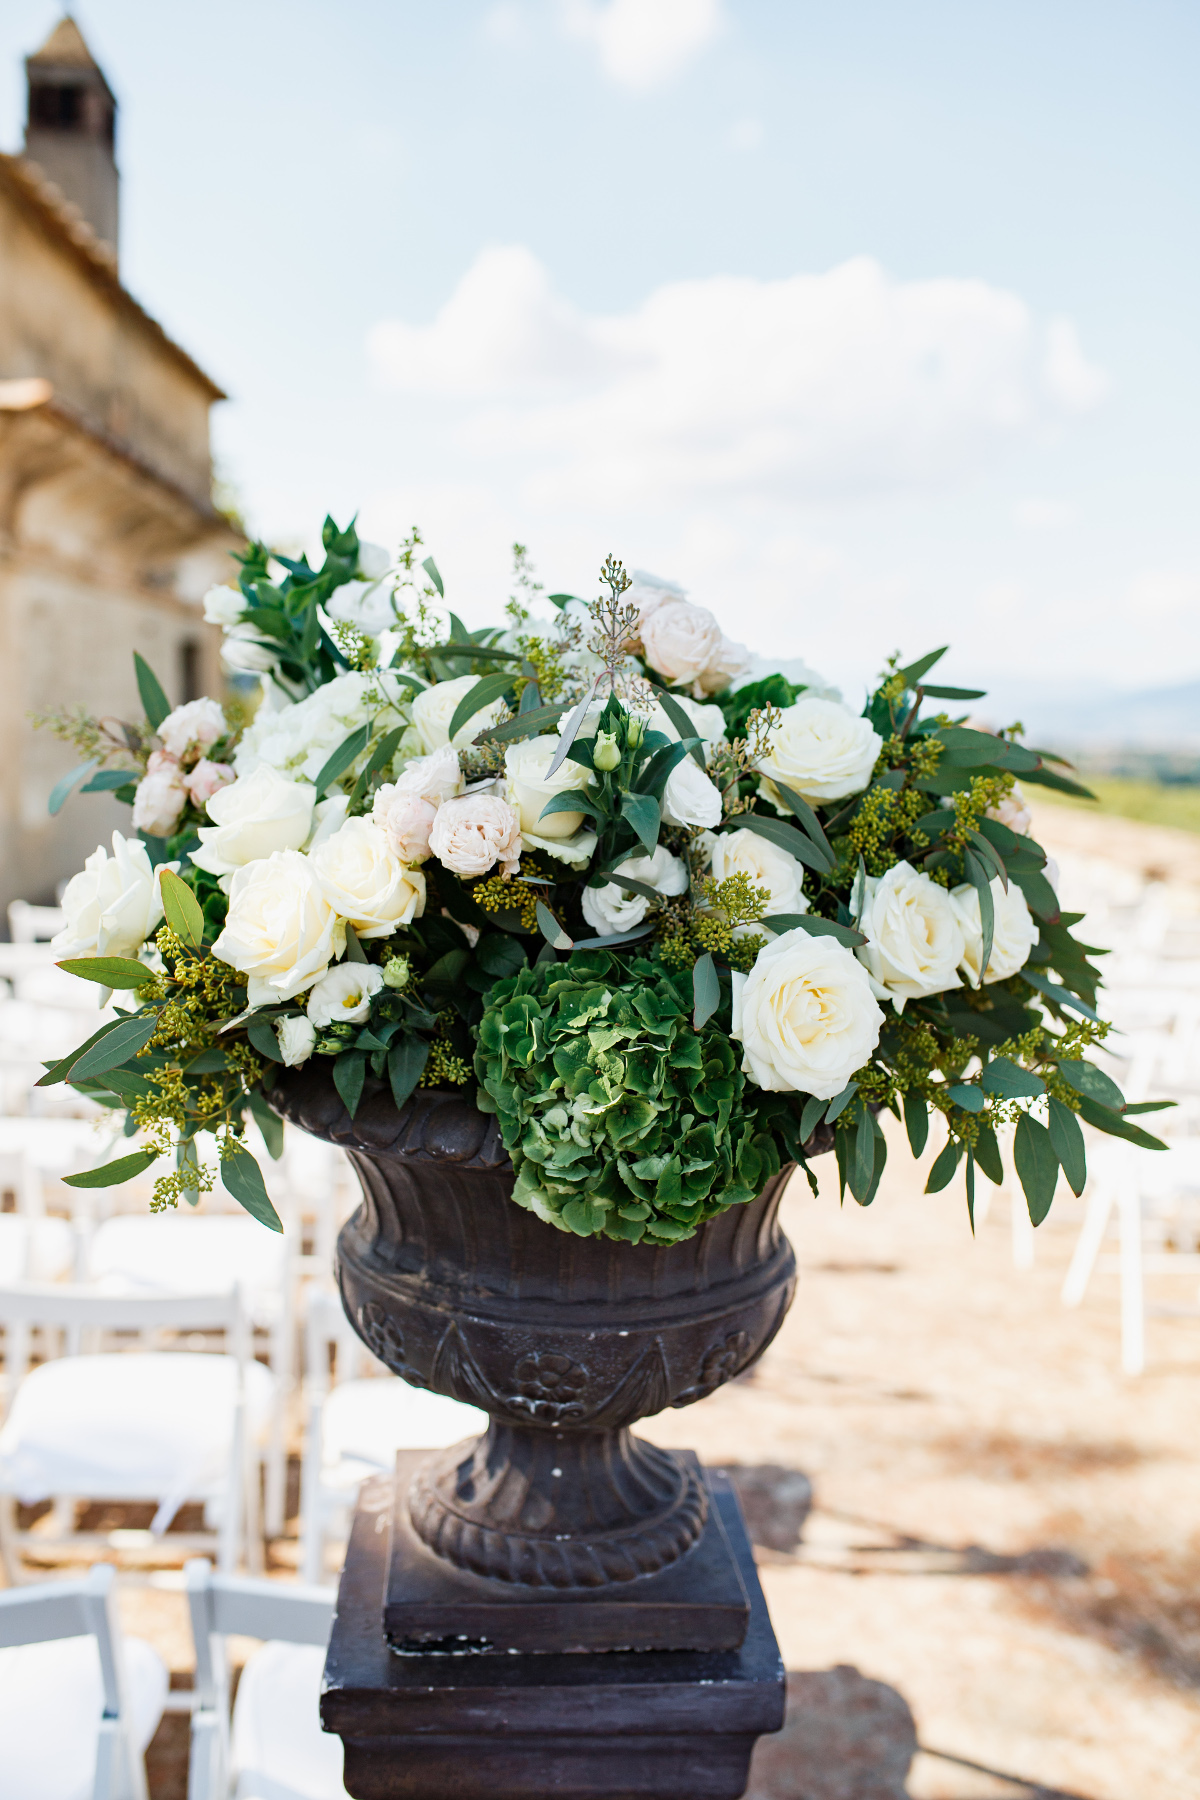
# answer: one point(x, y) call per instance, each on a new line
point(108, 531)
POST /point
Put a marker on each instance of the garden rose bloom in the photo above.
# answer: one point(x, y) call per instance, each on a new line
point(405, 820)
point(743, 852)
point(343, 997)
point(1014, 933)
point(1014, 812)
point(731, 661)
point(297, 1038)
point(113, 904)
point(530, 789)
point(680, 640)
point(161, 795)
point(196, 726)
point(821, 750)
point(364, 880)
point(690, 798)
point(434, 707)
point(475, 832)
point(253, 817)
point(280, 931)
point(805, 1016)
point(916, 940)
point(434, 778)
point(224, 606)
point(206, 779)
point(608, 910)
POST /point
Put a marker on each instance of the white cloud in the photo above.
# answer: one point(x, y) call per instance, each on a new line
point(1036, 514)
point(847, 383)
point(643, 43)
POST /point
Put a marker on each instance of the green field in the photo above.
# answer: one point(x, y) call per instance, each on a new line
point(1151, 802)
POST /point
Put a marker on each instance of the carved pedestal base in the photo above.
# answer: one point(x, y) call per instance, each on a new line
point(618, 1726)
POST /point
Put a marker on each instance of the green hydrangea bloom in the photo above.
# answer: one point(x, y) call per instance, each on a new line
point(619, 1117)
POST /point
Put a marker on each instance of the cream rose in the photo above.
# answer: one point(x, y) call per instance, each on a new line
point(608, 910)
point(821, 750)
point(1014, 933)
point(434, 707)
point(805, 1016)
point(253, 817)
point(297, 1039)
point(434, 778)
point(160, 797)
point(204, 779)
point(680, 640)
point(1014, 812)
point(690, 798)
point(343, 997)
point(730, 662)
point(196, 726)
point(743, 852)
point(530, 789)
point(405, 820)
point(916, 940)
point(365, 882)
point(280, 931)
point(113, 904)
point(472, 834)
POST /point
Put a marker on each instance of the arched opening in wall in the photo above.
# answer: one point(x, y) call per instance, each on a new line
point(189, 671)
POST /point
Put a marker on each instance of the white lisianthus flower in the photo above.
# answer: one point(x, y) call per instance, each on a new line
point(297, 1038)
point(343, 997)
point(472, 834)
point(608, 910)
point(114, 903)
point(709, 722)
point(728, 665)
point(374, 561)
point(205, 778)
point(299, 740)
point(160, 796)
point(434, 707)
point(280, 930)
point(367, 604)
point(530, 789)
point(365, 882)
point(224, 606)
point(690, 798)
point(405, 820)
point(805, 1016)
point(916, 939)
point(821, 750)
point(744, 852)
point(1014, 812)
point(435, 778)
point(258, 814)
point(246, 652)
point(195, 726)
point(680, 640)
point(1014, 932)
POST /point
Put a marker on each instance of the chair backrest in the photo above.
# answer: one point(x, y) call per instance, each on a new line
point(82, 1308)
point(67, 1609)
point(326, 1324)
point(220, 1605)
point(33, 924)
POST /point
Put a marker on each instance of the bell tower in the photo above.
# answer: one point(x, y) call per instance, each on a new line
point(70, 129)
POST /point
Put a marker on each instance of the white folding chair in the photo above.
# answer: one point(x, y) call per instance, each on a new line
point(355, 1427)
point(79, 1702)
point(33, 924)
point(276, 1749)
point(128, 1425)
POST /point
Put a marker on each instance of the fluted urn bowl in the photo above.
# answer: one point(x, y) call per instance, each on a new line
point(563, 1341)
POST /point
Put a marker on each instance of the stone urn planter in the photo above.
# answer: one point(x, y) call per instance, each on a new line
point(557, 1529)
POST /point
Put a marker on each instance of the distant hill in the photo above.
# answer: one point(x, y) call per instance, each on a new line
point(1162, 719)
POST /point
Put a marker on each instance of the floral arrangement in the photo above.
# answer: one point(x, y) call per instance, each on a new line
point(665, 913)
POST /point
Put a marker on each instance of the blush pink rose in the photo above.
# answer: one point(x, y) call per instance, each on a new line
point(161, 795)
point(207, 779)
point(405, 819)
point(472, 834)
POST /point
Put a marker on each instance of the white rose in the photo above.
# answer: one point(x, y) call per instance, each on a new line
point(367, 604)
point(196, 726)
point(821, 750)
point(472, 834)
point(343, 997)
point(1014, 933)
point(373, 561)
point(727, 666)
point(608, 910)
point(254, 816)
point(365, 882)
point(113, 904)
point(916, 940)
point(280, 931)
point(1014, 812)
point(160, 797)
point(805, 1016)
point(224, 606)
point(530, 789)
point(434, 778)
point(743, 852)
point(709, 722)
point(246, 652)
point(405, 820)
point(680, 640)
point(297, 1037)
point(434, 707)
point(690, 798)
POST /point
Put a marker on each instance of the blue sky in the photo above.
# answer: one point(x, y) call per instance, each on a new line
point(873, 325)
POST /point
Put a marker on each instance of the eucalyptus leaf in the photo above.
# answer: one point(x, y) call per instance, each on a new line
point(242, 1177)
point(61, 789)
point(109, 971)
point(785, 836)
point(706, 990)
point(1069, 1147)
point(434, 574)
point(942, 1172)
point(124, 1041)
point(182, 909)
point(683, 724)
point(349, 1073)
point(343, 758)
point(113, 1173)
point(916, 1121)
point(405, 1066)
point(154, 701)
point(551, 930)
point(487, 689)
point(1037, 1165)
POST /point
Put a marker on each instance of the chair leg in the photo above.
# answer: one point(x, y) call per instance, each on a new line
point(1133, 1294)
point(10, 1556)
point(312, 1522)
point(1087, 1248)
point(255, 1563)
